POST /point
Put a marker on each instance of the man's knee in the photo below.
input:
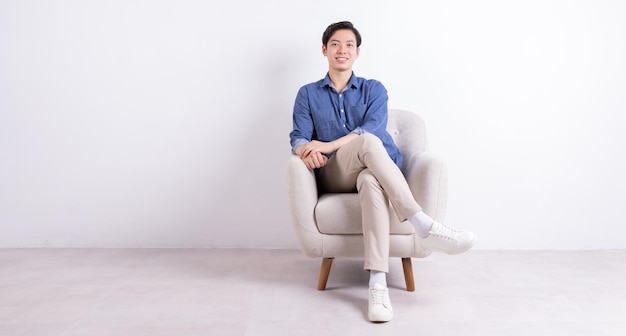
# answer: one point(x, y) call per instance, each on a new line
point(369, 139)
point(370, 143)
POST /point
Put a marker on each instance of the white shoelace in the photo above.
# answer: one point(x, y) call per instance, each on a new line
point(380, 296)
point(446, 232)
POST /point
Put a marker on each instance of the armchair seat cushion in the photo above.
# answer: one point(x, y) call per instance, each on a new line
point(340, 214)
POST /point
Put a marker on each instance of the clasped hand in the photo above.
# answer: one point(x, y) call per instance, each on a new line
point(312, 153)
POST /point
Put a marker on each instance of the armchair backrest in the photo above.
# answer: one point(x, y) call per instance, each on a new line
point(408, 131)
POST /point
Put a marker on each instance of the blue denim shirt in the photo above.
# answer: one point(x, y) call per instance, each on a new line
point(321, 113)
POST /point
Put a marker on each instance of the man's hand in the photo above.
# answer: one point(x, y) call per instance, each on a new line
point(313, 147)
point(312, 153)
point(315, 160)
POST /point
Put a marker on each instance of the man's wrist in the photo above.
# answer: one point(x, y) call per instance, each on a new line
point(334, 145)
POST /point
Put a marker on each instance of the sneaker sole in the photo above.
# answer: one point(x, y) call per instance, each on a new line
point(467, 248)
point(380, 318)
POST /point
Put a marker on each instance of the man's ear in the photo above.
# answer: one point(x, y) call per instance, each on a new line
point(358, 51)
point(323, 50)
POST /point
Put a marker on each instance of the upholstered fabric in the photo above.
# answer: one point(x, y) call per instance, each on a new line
point(329, 225)
point(341, 214)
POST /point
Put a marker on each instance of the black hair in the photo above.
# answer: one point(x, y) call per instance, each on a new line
point(338, 26)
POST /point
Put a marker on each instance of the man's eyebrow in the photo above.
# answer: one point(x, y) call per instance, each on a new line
point(335, 40)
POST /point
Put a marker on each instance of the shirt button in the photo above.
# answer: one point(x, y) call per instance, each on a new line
point(342, 110)
point(339, 96)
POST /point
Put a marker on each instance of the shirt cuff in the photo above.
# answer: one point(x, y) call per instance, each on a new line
point(358, 131)
point(297, 143)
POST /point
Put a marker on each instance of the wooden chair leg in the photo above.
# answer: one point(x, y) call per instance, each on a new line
point(408, 274)
point(324, 272)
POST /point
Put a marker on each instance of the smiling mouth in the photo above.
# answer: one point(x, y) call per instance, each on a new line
point(342, 59)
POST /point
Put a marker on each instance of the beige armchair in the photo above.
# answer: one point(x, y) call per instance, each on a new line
point(328, 225)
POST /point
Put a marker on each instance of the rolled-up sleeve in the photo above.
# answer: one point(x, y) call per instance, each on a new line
point(302, 121)
point(358, 131)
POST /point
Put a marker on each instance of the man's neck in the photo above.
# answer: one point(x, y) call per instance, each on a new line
point(340, 79)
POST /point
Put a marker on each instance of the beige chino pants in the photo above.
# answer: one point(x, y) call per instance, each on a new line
point(363, 164)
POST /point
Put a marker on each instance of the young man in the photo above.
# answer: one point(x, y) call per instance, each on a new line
point(339, 128)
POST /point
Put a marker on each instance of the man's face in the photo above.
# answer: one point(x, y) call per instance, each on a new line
point(341, 50)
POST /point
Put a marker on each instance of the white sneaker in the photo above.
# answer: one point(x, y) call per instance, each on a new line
point(379, 308)
point(448, 240)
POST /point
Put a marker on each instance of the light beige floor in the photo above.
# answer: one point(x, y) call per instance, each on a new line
point(272, 292)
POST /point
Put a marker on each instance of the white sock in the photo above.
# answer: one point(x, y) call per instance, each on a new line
point(422, 223)
point(378, 278)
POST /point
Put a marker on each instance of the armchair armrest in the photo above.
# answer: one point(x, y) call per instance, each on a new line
point(427, 177)
point(302, 197)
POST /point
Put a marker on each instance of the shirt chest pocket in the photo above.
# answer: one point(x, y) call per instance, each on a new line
point(356, 114)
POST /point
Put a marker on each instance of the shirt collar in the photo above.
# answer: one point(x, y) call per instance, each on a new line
point(353, 83)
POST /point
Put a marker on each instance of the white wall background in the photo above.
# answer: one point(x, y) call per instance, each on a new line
point(165, 123)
